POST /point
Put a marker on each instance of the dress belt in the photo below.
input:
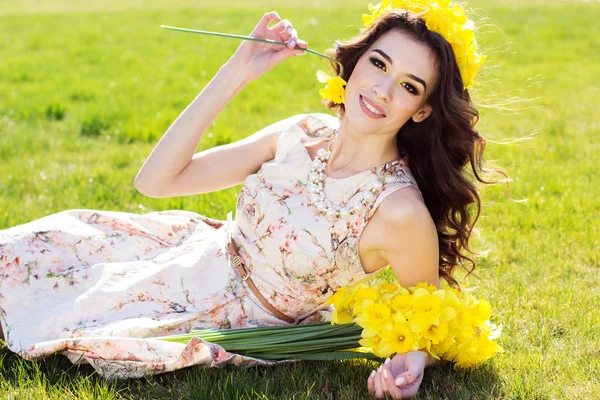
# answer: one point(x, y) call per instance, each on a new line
point(245, 275)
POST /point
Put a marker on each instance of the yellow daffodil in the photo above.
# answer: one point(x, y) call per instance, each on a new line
point(451, 298)
point(398, 339)
point(476, 351)
point(362, 293)
point(372, 343)
point(342, 316)
point(335, 88)
point(339, 298)
point(402, 302)
point(387, 288)
point(426, 310)
point(442, 348)
point(466, 355)
point(481, 313)
point(436, 333)
point(464, 317)
point(342, 313)
point(375, 13)
point(428, 287)
point(373, 317)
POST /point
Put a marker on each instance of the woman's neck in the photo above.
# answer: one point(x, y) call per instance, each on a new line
point(355, 151)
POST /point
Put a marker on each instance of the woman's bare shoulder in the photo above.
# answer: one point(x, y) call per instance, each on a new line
point(404, 203)
point(402, 217)
point(408, 241)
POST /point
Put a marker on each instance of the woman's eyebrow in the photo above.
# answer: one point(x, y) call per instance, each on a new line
point(416, 78)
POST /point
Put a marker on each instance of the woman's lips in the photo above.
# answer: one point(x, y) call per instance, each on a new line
point(369, 112)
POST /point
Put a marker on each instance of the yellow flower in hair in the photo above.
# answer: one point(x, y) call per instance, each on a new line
point(445, 18)
point(335, 88)
point(375, 13)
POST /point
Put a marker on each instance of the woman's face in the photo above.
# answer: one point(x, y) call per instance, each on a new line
point(394, 76)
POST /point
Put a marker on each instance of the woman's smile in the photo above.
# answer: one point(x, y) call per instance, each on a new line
point(372, 110)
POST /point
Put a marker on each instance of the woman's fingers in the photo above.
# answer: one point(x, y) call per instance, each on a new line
point(389, 385)
point(287, 33)
point(411, 375)
point(283, 28)
point(267, 18)
point(293, 39)
point(370, 383)
point(377, 381)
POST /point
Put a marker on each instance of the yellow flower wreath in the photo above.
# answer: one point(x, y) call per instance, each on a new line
point(441, 16)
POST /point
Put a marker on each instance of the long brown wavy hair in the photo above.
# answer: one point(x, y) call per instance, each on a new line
point(438, 148)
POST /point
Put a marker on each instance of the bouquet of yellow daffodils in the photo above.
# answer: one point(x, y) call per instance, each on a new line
point(374, 322)
point(445, 323)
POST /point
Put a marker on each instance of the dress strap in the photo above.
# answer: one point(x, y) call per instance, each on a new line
point(315, 125)
point(396, 177)
point(319, 125)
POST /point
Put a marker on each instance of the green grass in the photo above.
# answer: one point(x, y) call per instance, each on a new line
point(87, 91)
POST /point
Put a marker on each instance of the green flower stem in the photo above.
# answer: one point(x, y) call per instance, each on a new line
point(335, 331)
point(259, 331)
point(304, 345)
point(245, 38)
point(274, 339)
point(315, 341)
point(329, 356)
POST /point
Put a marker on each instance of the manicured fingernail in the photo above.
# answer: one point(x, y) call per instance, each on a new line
point(372, 374)
point(385, 374)
point(379, 369)
point(387, 360)
point(399, 381)
point(292, 43)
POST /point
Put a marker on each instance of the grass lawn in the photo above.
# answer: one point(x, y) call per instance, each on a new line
point(88, 90)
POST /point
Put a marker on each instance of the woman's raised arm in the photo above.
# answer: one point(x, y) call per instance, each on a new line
point(171, 169)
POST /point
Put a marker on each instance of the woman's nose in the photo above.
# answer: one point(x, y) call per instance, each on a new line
point(383, 90)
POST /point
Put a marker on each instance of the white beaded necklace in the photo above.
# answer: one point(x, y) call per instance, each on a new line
point(316, 185)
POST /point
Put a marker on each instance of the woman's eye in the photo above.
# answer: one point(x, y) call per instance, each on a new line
point(411, 89)
point(377, 63)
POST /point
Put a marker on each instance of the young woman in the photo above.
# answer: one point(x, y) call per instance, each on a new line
point(326, 201)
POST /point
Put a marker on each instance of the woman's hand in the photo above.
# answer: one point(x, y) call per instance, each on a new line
point(256, 58)
point(400, 377)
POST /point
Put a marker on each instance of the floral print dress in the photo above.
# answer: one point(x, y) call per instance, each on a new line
point(98, 286)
